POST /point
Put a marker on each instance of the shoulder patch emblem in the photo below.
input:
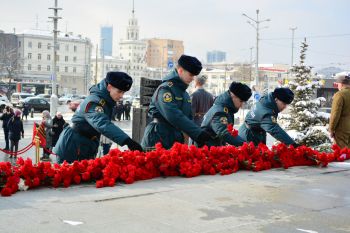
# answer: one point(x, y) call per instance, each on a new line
point(102, 102)
point(167, 97)
point(225, 110)
point(273, 119)
point(170, 84)
point(99, 109)
point(223, 120)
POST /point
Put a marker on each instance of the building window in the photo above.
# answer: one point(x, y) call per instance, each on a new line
point(39, 45)
point(29, 55)
point(39, 67)
point(74, 69)
point(39, 56)
point(48, 57)
point(66, 58)
point(57, 57)
point(29, 44)
point(29, 67)
point(57, 68)
point(75, 59)
point(48, 46)
point(48, 68)
point(75, 48)
point(58, 46)
point(67, 47)
point(66, 69)
point(19, 44)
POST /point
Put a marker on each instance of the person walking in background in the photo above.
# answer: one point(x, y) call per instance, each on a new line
point(47, 123)
point(25, 110)
point(57, 127)
point(5, 117)
point(127, 109)
point(119, 110)
point(15, 127)
point(201, 100)
point(339, 123)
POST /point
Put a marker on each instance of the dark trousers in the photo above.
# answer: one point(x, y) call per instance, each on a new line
point(6, 133)
point(14, 147)
point(106, 148)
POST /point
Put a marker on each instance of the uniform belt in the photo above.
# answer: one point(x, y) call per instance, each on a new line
point(199, 114)
point(83, 133)
point(158, 120)
point(256, 129)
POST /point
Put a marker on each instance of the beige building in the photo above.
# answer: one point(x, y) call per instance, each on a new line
point(163, 52)
point(35, 56)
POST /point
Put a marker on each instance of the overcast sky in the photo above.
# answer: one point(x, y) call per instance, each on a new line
point(205, 25)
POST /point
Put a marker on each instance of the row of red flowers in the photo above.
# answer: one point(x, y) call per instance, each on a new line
point(180, 160)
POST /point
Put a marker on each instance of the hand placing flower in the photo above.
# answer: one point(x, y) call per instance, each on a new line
point(232, 131)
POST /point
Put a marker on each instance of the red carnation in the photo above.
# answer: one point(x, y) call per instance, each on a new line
point(232, 131)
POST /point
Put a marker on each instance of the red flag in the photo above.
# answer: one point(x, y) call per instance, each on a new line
point(40, 132)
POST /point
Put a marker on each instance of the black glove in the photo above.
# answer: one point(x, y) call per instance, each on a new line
point(133, 145)
point(295, 145)
point(203, 137)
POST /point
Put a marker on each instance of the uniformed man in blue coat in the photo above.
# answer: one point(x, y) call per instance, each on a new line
point(170, 108)
point(222, 113)
point(93, 118)
point(262, 118)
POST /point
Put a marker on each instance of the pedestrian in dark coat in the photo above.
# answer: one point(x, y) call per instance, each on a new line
point(58, 124)
point(93, 118)
point(201, 100)
point(5, 117)
point(25, 110)
point(119, 110)
point(170, 108)
point(262, 118)
point(127, 109)
point(15, 126)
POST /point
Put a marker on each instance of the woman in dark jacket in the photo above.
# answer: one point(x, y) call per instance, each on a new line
point(5, 117)
point(15, 127)
point(57, 127)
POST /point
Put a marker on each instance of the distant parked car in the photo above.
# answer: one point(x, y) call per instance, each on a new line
point(47, 97)
point(73, 105)
point(4, 98)
point(66, 99)
point(326, 110)
point(36, 104)
point(3, 104)
point(16, 97)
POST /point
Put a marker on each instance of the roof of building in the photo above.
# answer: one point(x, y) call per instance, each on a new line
point(47, 33)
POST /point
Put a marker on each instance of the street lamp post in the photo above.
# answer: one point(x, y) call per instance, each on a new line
point(103, 58)
point(54, 99)
point(161, 71)
point(255, 23)
point(292, 61)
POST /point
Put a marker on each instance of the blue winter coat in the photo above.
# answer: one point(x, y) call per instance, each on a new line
point(92, 118)
point(218, 117)
point(171, 107)
point(262, 118)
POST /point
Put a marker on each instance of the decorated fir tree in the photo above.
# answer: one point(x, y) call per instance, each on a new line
point(306, 124)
